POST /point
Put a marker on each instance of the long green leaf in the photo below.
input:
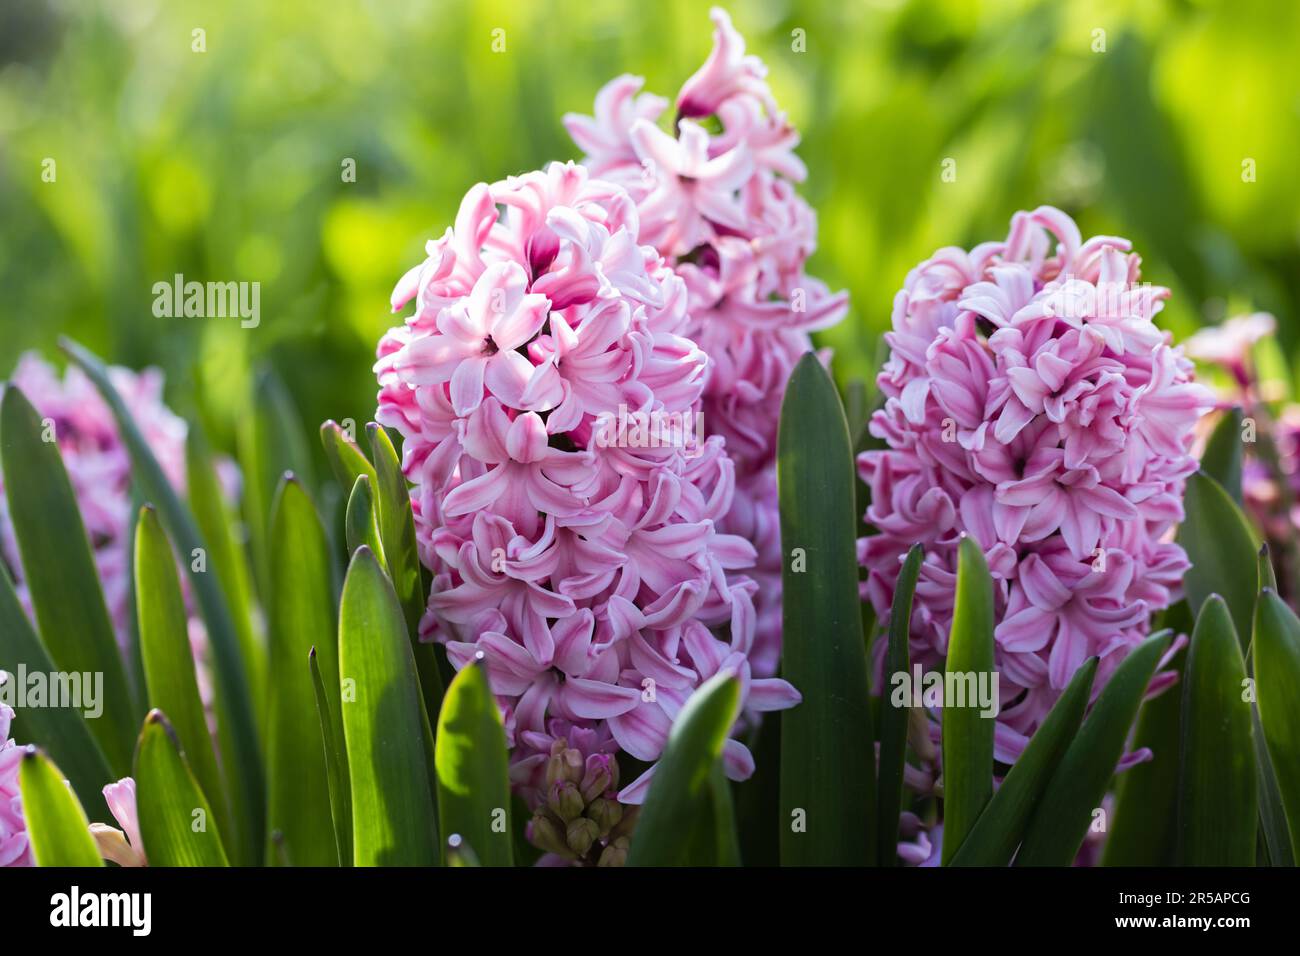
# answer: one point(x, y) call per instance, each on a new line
point(1061, 819)
point(1218, 815)
point(1144, 826)
point(827, 765)
point(680, 795)
point(60, 572)
point(397, 532)
point(56, 824)
point(177, 825)
point(62, 731)
point(1223, 453)
point(997, 832)
point(1222, 550)
point(393, 817)
point(894, 714)
point(240, 755)
point(967, 732)
point(473, 768)
point(301, 616)
point(1277, 683)
point(336, 762)
point(270, 442)
point(347, 461)
point(168, 661)
point(227, 559)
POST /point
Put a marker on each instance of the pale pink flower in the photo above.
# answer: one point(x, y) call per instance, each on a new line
point(123, 847)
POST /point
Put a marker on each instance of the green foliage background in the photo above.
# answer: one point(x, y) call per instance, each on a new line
point(225, 165)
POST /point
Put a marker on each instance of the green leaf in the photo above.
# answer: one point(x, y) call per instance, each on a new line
point(1222, 550)
point(473, 768)
point(226, 557)
point(393, 816)
point(301, 614)
point(1277, 682)
point(56, 824)
point(1061, 819)
point(997, 832)
point(827, 764)
point(62, 731)
point(967, 733)
point(726, 836)
point(177, 825)
point(1222, 457)
point(1272, 815)
point(169, 672)
point(270, 443)
point(347, 461)
point(1218, 815)
point(336, 762)
point(240, 755)
point(1144, 826)
point(397, 532)
point(60, 571)
point(360, 522)
point(681, 791)
point(1267, 576)
point(893, 719)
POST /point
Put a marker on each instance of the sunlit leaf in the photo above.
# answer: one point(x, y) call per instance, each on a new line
point(56, 824)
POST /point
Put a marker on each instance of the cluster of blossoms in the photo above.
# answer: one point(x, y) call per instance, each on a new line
point(99, 469)
point(1032, 404)
point(588, 571)
point(721, 208)
point(601, 572)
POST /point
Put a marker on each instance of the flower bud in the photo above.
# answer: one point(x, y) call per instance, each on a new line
point(581, 834)
point(615, 854)
point(565, 801)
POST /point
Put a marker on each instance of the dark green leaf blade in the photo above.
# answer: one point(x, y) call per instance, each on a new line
point(997, 832)
point(1222, 550)
point(168, 661)
point(1223, 453)
point(1277, 682)
point(60, 571)
point(827, 770)
point(56, 824)
point(177, 825)
point(226, 558)
point(967, 732)
point(1061, 819)
point(894, 717)
point(680, 793)
point(1218, 815)
point(301, 615)
point(336, 762)
point(360, 525)
point(393, 817)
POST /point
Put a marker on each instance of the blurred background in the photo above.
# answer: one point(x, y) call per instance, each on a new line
point(1175, 123)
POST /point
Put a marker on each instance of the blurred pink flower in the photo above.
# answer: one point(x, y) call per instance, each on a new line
point(15, 848)
point(1032, 404)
